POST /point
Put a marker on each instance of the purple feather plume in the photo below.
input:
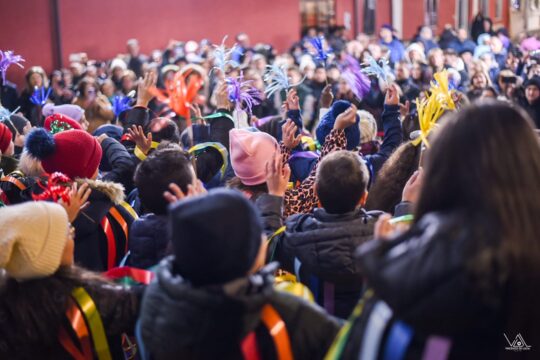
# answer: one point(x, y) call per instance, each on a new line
point(7, 58)
point(352, 73)
point(242, 93)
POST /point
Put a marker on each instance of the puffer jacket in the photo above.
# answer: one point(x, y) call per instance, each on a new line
point(319, 248)
point(179, 321)
point(428, 296)
point(148, 241)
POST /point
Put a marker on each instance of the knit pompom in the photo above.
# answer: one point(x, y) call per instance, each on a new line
point(40, 144)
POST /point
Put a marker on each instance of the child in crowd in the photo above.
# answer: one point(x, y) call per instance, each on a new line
point(214, 299)
point(42, 292)
point(148, 241)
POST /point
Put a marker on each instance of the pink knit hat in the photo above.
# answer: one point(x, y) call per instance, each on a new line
point(250, 151)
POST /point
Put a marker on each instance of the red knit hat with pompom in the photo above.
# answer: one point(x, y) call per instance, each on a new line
point(74, 153)
point(5, 137)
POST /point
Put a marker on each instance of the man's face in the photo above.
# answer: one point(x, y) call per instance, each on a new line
point(462, 34)
point(402, 72)
point(320, 75)
point(386, 35)
point(532, 93)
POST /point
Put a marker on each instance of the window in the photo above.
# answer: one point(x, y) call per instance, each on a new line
point(369, 16)
point(317, 13)
point(431, 12)
point(499, 9)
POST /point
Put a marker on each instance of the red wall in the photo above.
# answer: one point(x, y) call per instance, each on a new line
point(101, 27)
point(413, 16)
point(26, 29)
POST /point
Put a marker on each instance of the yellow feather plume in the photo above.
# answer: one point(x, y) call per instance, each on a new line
point(433, 106)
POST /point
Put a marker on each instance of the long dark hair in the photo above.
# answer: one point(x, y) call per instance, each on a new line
point(32, 311)
point(386, 192)
point(485, 162)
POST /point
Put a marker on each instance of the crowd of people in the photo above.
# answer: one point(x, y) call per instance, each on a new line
point(207, 202)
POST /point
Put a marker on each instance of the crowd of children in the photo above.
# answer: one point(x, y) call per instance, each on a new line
point(349, 199)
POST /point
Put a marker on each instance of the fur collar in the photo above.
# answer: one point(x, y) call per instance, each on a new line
point(29, 165)
point(114, 191)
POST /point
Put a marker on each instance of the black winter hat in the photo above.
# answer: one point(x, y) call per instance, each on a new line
point(215, 238)
point(534, 81)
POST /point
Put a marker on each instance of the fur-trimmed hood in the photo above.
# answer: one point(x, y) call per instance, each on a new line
point(114, 191)
point(29, 165)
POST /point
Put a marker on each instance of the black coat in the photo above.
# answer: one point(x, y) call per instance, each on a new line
point(424, 283)
point(179, 321)
point(319, 248)
point(34, 311)
point(120, 163)
point(148, 241)
point(91, 240)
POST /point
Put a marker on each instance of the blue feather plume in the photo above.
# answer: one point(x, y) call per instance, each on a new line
point(7, 58)
point(222, 56)
point(121, 104)
point(277, 80)
point(5, 114)
point(381, 71)
point(40, 96)
point(242, 93)
point(318, 44)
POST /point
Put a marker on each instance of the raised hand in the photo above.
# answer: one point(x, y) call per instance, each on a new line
point(346, 118)
point(144, 143)
point(392, 95)
point(327, 97)
point(144, 89)
point(293, 102)
point(289, 137)
point(78, 200)
point(277, 178)
point(175, 193)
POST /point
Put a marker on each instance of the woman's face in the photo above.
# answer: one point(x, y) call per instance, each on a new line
point(107, 89)
point(416, 72)
point(36, 80)
point(91, 91)
point(343, 87)
point(479, 81)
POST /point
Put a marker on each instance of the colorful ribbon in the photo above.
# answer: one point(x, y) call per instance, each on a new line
point(199, 148)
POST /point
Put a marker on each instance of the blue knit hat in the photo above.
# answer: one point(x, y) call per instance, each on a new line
point(327, 124)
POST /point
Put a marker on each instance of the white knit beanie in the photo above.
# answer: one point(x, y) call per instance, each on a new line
point(32, 239)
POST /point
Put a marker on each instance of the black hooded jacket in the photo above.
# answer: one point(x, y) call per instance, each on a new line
point(179, 321)
point(319, 248)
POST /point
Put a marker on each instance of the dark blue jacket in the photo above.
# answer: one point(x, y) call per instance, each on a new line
point(148, 241)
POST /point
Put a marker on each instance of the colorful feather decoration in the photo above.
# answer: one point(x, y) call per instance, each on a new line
point(352, 73)
point(7, 58)
point(318, 45)
point(433, 107)
point(222, 56)
point(277, 80)
point(40, 96)
point(242, 93)
point(181, 92)
point(373, 68)
point(5, 114)
point(121, 104)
